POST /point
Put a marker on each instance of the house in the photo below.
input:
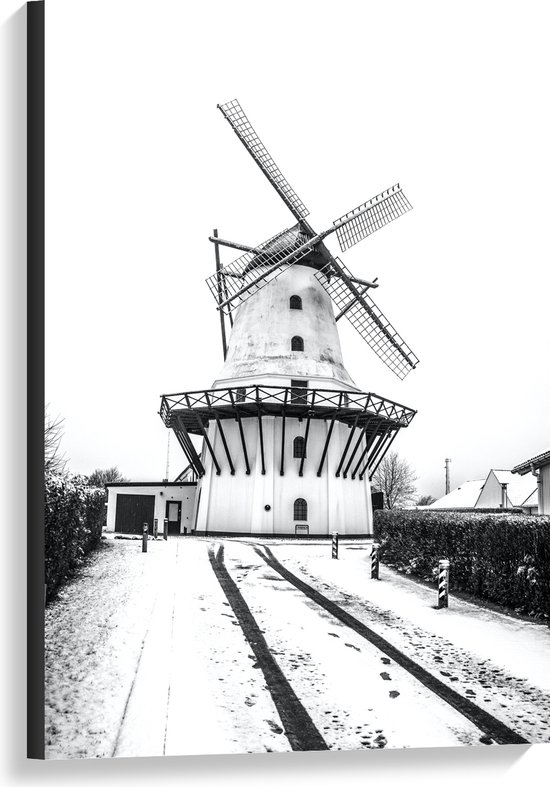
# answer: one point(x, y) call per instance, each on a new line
point(501, 490)
point(464, 496)
point(539, 468)
point(131, 504)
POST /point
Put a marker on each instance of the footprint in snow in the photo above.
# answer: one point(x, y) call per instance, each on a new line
point(349, 645)
point(274, 727)
point(332, 634)
point(385, 676)
point(394, 694)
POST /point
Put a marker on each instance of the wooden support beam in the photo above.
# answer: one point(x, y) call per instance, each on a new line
point(205, 435)
point(382, 455)
point(368, 445)
point(329, 435)
point(383, 437)
point(282, 466)
point(224, 441)
point(309, 412)
point(348, 443)
point(260, 429)
point(185, 440)
point(220, 295)
point(241, 431)
point(357, 444)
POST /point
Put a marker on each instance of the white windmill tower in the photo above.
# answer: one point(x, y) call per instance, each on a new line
point(289, 441)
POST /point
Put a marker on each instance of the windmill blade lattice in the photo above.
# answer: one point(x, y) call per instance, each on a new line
point(232, 111)
point(371, 216)
point(368, 321)
point(243, 277)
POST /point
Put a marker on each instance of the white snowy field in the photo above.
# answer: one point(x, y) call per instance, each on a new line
point(146, 655)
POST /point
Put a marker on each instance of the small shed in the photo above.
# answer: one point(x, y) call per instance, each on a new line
point(539, 469)
point(131, 504)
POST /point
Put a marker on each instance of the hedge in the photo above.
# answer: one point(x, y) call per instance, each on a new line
point(504, 558)
point(74, 516)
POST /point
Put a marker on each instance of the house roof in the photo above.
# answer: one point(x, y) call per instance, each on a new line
point(519, 488)
point(464, 496)
point(534, 463)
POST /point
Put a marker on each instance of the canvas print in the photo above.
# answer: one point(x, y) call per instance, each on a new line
point(272, 524)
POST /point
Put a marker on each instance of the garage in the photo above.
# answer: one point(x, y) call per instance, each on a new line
point(132, 511)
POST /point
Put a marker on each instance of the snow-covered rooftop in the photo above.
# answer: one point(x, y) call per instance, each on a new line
point(519, 487)
point(464, 496)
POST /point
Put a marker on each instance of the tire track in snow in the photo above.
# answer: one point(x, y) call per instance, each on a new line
point(302, 733)
point(490, 725)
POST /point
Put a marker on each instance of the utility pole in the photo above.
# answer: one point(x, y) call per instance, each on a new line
point(447, 476)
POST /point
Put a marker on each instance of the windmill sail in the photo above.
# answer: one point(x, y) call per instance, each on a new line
point(233, 113)
point(253, 270)
point(367, 319)
point(371, 216)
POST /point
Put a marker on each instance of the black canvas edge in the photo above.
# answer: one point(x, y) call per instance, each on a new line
point(35, 380)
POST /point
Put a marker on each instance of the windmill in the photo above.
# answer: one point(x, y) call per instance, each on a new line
point(289, 441)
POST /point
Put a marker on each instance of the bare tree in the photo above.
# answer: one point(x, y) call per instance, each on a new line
point(54, 460)
point(111, 475)
point(395, 478)
point(425, 500)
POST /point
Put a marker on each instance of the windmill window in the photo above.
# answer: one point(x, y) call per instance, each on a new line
point(298, 391)
point(295, 302)
point(299, 448)
point(241, 394)
point(297, 344)
point(300, 510)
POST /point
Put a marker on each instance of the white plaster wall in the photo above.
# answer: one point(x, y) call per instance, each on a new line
point(236, 503)
point(491, 496)
point(259, 346)
point(184, 493)
point(544, 490)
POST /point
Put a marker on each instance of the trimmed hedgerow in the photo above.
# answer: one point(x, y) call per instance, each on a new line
point(74, 516)
point(504, 558)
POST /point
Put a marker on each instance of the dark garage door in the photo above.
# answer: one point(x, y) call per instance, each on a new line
point(132, 511)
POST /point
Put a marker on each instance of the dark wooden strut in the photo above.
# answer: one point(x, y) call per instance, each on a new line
point(226, 295)
point(282, 468)
point(203, 432)
point(220, 295)
point(260, 429)
point(382, 455)
point(383, 439)
point(222, 435)
point(348, 443)
point(357, 444)
point(241, 431)
point(368, 444)
point(309, 414)
point(186, 441)
point(329, 434)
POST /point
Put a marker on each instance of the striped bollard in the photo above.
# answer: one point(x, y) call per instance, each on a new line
point(443, 584)
point(144, 542)
point(374, 562)
point(335, 546)
point(166, 530)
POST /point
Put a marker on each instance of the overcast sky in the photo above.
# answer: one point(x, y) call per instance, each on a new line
point(451, 100)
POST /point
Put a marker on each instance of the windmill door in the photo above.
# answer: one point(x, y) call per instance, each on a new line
point(173, 515)
point(132, 511)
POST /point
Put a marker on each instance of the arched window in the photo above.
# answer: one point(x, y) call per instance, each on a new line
point(300, 510)
point(297, 343)
point(299, 447)
point(295, 302)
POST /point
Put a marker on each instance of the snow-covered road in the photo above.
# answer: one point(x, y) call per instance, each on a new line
point(218, 646)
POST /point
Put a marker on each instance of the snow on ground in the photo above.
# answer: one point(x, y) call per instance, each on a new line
point(497, 661)
point(144, 655)
point(355, 696)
